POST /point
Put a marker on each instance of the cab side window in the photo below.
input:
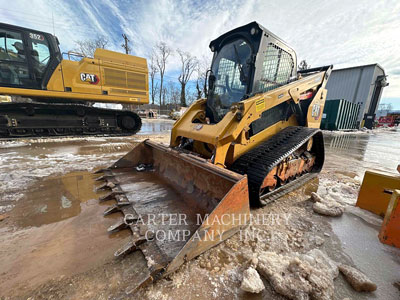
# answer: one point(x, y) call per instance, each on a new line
point(276, 69)
point(13, 65)
point(11, 46)
point(40, 55)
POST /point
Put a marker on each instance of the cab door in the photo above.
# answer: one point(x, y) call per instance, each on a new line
point(39, 57)
point(14, 61)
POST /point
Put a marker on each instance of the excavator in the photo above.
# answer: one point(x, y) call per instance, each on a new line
point(42, 94)
point(254, 138)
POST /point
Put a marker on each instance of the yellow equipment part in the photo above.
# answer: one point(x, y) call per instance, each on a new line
point(53, 96)
point(229, 137)
point(390, 230)
point(375, 191)
point(108, 77)
point(256, 135)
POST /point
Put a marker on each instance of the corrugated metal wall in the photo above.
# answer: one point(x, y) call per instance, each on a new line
point(340, 115)
point(357, 85)
point(354, 85)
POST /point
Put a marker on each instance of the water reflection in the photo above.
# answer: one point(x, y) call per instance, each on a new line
point(161, 126)
point(55, 199)
point(378, 151)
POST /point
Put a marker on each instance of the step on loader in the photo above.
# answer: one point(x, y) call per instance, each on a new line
point(254, 138)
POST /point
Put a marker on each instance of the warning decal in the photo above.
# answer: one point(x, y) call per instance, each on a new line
point(260, 104)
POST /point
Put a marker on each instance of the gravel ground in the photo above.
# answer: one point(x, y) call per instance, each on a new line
point(61, 251)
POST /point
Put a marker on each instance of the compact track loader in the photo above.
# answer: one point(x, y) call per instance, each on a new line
point(42, 94)
point(253, 139)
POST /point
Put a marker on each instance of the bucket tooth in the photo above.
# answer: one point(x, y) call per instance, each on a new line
point(109, 196)
point(115, 207)
point(103, 177)
point(101, 187)
point(112, 209)
point(117, 226)
point(122, 201)
point(108, 185)
point(132, 245)
point(100, 171)
point(125, 249)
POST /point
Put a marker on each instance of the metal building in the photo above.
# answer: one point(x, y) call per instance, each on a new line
point(361, 85)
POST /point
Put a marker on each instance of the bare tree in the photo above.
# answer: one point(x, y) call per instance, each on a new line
point(303, 65)
point(153, 71)
point(173, 94)
point(162, 52)
point(189, 65)
point(88, 47)
point(201, 84)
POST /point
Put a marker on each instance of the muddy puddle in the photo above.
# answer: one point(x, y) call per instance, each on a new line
point(156, 126)
point(56, 229)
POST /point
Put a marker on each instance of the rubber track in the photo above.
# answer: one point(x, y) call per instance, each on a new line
point(18, 110)
point(258, 162)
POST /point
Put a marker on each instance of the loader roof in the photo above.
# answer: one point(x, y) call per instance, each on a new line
point(245, 30)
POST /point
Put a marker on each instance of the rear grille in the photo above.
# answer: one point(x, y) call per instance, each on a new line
point(124, 80)
point(129, 92)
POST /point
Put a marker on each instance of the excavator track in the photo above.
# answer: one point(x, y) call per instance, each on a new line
point(261, 161)
point(41, 120)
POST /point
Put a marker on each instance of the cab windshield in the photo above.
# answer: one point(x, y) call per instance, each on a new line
point(231, 68)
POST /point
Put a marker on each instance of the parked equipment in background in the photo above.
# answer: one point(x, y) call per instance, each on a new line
point(340, 115)
point(255, 138)
point(388, 121)
point(52, 96)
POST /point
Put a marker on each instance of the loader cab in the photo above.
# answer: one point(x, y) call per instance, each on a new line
point(247, 60)
point(28, 58)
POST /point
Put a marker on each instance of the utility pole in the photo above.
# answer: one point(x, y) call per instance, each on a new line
point(125, 44)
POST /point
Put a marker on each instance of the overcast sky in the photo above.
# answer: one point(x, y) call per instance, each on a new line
point(342, 32)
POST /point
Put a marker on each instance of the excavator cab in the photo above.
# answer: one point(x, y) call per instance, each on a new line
point(27, 57)
point(248, 60)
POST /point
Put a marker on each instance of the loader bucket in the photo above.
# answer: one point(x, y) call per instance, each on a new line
point(176, 205)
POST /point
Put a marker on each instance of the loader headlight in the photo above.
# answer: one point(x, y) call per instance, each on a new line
point(253, 31)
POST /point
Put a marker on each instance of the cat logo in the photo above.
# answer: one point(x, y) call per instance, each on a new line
point(316, 111)
point(91, 78)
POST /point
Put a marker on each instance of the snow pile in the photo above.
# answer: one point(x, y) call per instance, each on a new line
point(12, 144)
point(252, 282)
point(325, 207)
point(358, 280)
point(299, 276)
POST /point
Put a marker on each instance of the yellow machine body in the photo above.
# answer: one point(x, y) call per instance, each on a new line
point(257, 101)
point(108, 77)
point(390, 230)
point(230, 138)
point(375, 191)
